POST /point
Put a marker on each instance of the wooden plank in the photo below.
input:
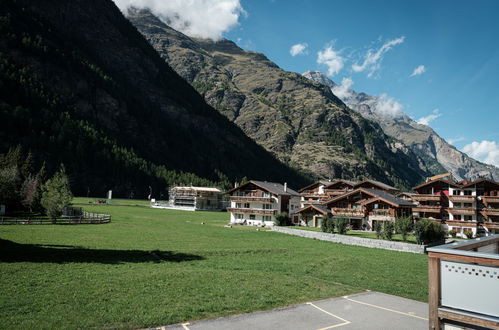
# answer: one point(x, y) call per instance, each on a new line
point(455, 257)
point(433, 292)
point(478, 244)
point(468, 319)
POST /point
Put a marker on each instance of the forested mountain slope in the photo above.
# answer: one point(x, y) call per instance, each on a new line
point(80, 85)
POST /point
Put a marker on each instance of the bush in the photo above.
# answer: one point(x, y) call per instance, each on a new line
point(379, 229)
point(453, 233)
point(427, 231)
point(56, 194)
point(388, 228)
point(341, 225)
point(324, 225)
point(282, 219)
point(329, 225)
point(403, 226)
point(468, 234)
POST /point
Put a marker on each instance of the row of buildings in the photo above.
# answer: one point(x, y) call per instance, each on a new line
point(460, 206)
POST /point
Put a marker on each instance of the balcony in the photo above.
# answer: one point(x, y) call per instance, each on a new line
point(461, 210)
point(491, 225)
point(425, 197)
point(462, 198)
point(461, 223)
point(490, 211)
point(383, 215)
point(427, 208)
point(335, 192)
point(252, 211)
point(251, 199)
point(345, 212)
point(490, 199)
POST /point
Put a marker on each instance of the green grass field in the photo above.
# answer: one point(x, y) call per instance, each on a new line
point(153, 267)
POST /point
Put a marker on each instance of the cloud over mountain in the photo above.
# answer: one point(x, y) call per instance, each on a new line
point(298, 49)
point(485, 151)
point(196, 18)
point(373, 58)
point(332, 59)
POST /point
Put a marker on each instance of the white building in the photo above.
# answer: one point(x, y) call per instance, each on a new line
point(256, 203)
point(190, 198)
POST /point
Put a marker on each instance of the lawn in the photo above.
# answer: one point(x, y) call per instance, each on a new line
point(153, 267)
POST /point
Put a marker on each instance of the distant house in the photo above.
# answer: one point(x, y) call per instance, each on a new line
point(190, 198)
point(256, 203)
point(314, 193)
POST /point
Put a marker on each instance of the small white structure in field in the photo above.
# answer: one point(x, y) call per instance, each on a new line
point(190, 198)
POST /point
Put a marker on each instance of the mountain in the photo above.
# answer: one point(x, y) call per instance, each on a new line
point(80, 85)
point(439, 155)
point(301, 122)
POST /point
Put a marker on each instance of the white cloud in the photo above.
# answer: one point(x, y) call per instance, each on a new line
point(299, 49)
point(196, 18)
point(388, 106)
point(417, 71)
point(485, 151)
point(343, 91)
point(427, 119)
point(373, 58)
point(332, 59)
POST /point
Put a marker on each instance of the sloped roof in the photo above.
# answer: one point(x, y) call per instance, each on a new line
point(376, 194)
point(319, 207)
point(314, 184)
point(479, 181)
point(211, 189)
point(273, 187)
point(376, 183)
point(450, 183)
point(350, 183)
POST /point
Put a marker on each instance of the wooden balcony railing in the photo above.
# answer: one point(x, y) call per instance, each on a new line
point(380, 212)
point(348, 212)
point(461, 223)
point(427, 208)
point(490, 199)
point(251, 211)
point(461, 210)
point(426, 197)
point(491, 225)
point(490, 211)
point(462, 198)
point(251, 199)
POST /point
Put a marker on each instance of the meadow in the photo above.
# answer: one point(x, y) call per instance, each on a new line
point(152, 267)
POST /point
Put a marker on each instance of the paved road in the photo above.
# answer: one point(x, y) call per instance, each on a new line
point(368, 310)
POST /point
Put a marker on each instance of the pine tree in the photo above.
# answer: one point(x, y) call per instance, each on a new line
point(57, 194)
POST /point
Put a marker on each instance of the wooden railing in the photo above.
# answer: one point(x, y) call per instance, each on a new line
point(461, 210)
point(490, 211)
point(86, 218)
point(251, 211)
point(462, 198)
point(490, 199)
point(425, 197)
point(251, 199)
point(348, 212)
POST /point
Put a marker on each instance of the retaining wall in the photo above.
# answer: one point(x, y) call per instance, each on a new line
point(351, 240)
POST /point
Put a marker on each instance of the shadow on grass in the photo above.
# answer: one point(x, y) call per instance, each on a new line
point(16, 252)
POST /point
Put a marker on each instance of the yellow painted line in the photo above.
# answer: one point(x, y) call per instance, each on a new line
point(345, 322)
point(185, 326)
point(386, 309)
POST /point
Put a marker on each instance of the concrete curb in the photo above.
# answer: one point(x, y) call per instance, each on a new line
point(349, 240)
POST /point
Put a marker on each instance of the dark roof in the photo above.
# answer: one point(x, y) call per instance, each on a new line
point(376, 183)
point(314, 184)
point(390, 198)
point(375, 193)
point(273, 187)
point(351, 183)
point(449, 182)
point(319, 207)
point(479, 181)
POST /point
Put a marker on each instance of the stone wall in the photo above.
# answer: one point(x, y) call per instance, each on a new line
point(351, 240)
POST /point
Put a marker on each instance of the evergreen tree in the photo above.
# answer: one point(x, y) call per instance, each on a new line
point(57, 194)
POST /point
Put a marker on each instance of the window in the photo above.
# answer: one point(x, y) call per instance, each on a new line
point(238, 205)
point(468, 217)
point(457, 217)
point(252, 217)
point(246, 205)
point(266, 194)
point(266, 218)
point(267, 206)
point(467, 192)
point(467, 204)
point(456, 192)
point(239, 216)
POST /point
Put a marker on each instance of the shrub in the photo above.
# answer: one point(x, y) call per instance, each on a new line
point(468, 234)
point(329, 225)
point(341, 225)
point(388, 228)
point(324, 225)
point(56, 194)
point(403, 226)
point(427, 231)
point(379, 229)
point(282, 219)
point(453, 233)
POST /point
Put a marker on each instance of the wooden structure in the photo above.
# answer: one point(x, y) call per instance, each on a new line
point(463, 284)
point(85, 218)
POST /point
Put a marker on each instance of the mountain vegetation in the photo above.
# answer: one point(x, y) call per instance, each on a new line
point(300, 121)
point(79, 85)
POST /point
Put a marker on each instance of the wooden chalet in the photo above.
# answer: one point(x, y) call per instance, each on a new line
point(313, 214)
point(314, 193)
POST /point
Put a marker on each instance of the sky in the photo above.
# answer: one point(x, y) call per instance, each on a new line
point(437, 61)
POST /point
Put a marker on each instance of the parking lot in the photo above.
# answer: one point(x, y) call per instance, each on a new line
point(367, 310)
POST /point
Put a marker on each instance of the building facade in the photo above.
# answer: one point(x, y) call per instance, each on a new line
point(190, 198)
point(256, 203)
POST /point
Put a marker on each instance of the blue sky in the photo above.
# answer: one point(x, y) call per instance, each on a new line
point(455, 44)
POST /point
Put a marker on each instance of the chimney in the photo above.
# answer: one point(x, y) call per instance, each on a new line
point(285, 187)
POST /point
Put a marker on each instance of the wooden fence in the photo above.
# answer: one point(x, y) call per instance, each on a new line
point(86, 218)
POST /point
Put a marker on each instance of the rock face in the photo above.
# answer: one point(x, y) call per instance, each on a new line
point(79, 85)
point(300, 121)
point(436, 153)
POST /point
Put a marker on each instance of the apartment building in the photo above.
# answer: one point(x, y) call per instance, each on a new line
point(256, 203)
point(189, 198)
